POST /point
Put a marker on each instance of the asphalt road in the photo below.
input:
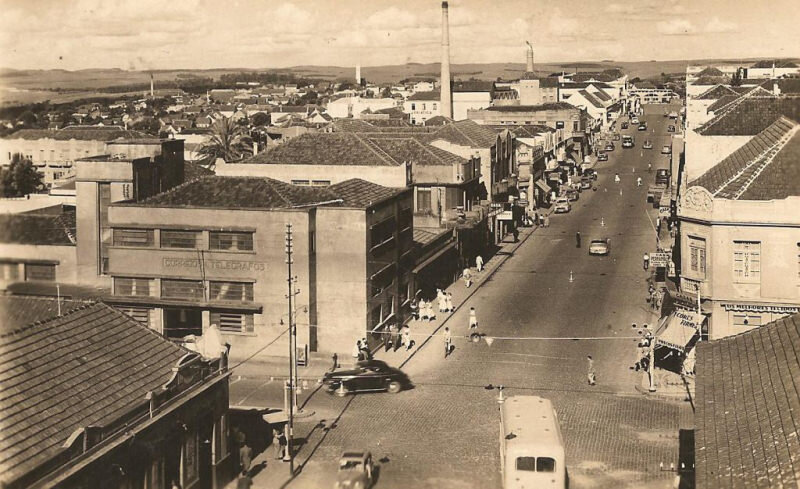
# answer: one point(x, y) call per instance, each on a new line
point(444, 432)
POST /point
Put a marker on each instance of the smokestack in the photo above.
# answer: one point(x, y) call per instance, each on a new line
point(447, 101)
point(358, 74)
point(529, 58)
point(151, 86)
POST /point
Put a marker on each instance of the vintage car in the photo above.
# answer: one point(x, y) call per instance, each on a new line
point(591, 172)
point(624, 125)
point(586, 183)
point(356, 470)
point(367, 376)
point(666, 150)
point(562, 205)
point(643, 126)
point(671, 129)
point(600, 246)
point(609, 147)
point(601, 156)
point(647, 145)
point(572, 195)
point(616, 137)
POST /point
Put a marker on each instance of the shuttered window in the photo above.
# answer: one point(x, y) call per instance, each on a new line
point(747, 261)
point(140, 314)
point(180, 239)
point(233, 241)
point(230, 291)
point(232, 322)
point(40, 272)
point(132, 286)
point(133, 237)
point(182, 289)
point(9, 271)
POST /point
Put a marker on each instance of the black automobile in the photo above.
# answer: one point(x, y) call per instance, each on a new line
point(643, 126)
point(671, 128)
point(590, 172)
point(367, 376)
point(602, 156)
point(624, 125)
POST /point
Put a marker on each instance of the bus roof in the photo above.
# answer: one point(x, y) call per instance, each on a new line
point(532, 420)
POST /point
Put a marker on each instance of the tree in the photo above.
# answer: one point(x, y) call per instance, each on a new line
point(20, 178)
point(260, 119)
point(228, 141)
point(736, 81)
point(386, 92)
point(148, 125)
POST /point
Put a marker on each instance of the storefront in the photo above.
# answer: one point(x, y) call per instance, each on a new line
point(675, 337)
point(729, 318)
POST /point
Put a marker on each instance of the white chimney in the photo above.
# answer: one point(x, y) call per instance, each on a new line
point(358, 74)
point(776, 90)
point(255, 148)
point(151, 86)
point(447, 100)
point(529, 58)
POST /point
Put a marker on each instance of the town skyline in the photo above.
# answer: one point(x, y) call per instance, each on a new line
point(147, 36)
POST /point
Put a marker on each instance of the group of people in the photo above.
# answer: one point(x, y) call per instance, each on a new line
point(279, 444)
point(537, 219)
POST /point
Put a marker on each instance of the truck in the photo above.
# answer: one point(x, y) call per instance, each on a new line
point(660, 185)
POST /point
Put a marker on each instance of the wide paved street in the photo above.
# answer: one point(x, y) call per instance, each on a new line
point(444, 432)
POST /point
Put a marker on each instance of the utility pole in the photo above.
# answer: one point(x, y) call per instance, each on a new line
point(292, 365)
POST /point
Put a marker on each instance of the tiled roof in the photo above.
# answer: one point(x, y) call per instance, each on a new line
point(38, 229)
point(362, 194)
point(532, 108)
point(548, 82)
point(89, 367)
point(747, 401)
point(711, 71)
point(711, 80)
point(582, 85)
point(425, 96)
point(523, 131)
point(786, 85)
point(423, 236)
point(193, 171)
point(404, 149)
point(591, 99)
point(601, 77)
point(473, 86)
point(467, 133)
point(766, 167)
point(82, 134)
point(338, 148)
point(722, 101)
point(20, 310)
point(749, 115)
point(716, 92)
point(438, 120)
point(602, 95)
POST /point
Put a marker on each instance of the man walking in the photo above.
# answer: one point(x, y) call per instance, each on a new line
point(638, 181)
point(479, 263)
point(590, 372)
point(578, 239)
point(245, 457)
point(448, 340)
point(473, 318)
point(646, 261)
point(407, 337)
point(276, 444)
point(467, 277)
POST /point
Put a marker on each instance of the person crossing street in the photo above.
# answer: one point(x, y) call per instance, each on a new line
point(448, 341)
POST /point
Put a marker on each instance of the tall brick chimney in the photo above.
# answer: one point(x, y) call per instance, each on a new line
point(447, 98)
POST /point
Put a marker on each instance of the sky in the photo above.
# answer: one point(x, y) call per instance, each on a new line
point(184, 34)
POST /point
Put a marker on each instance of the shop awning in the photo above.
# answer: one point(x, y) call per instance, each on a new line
point(433, 257)
point(679, 330)
point(542, 185)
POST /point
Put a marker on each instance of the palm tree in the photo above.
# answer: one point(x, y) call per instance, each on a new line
point(229, 141)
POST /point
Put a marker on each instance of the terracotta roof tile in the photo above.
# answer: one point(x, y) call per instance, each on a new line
point(87, 367)
point(747, 398)
point(38, 229)
point(467, 133)
point(751, 173)
point(82, 134)
point(532, 108)
point(716, 92)
point(433, 95)
point(750, 114)
point(20, 310)
point(591, 99)
point(362, 194)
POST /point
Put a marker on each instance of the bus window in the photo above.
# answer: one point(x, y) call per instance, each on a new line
point(526, 463)
point(545, 464)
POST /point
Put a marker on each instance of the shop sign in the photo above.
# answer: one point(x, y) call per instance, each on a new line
point(505, 216)
point(659, 259)
point(214, 264)
point(761, 308)
point(689, 318)
point(663, 211)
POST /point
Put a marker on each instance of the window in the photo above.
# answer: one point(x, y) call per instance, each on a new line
point(232, 322)
point(697, 252)
point(559, 124)
point(545, 464)
point(9, 271)
point(230, 241)
point(103, 201)
point(746, 320)
point(140, 238)
point(575, 126)
point(424, 200)
point(230, 291)
point(526, 463)
point(303, 183)
point(180, 239)
point(423, 107)
point(140, 314)
point(434, 106)
point(40, 272)
point(746, 261)
point(413, 106)
point(375, 316)
point(320, 183)
point(132, 286)
point(182, 289)
point(382, 232)
point(221, 438)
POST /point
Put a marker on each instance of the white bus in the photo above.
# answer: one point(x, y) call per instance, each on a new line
point(531, 446)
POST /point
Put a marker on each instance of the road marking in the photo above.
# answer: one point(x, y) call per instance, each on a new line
point(251, 393)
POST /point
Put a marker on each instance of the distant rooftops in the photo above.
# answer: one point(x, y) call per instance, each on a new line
point(433, 95)
point(83, 133)
point(268, 193)
point(750, 114)
point(532, 108)
point(38, 229)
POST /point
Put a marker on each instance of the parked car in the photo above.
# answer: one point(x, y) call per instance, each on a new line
point(356, 470)
point(591, 172)
point(624, 125)
point(572, 195)
point(627, 143)
point(634, 120)
point(602, 156)
point(647, 145)
point(609, 147)
point(600, 246)
point(616, 137)
point(586, 183)
point(643, 126)
point(671, 129)
point(666, 150)
point(562, 205)
point(368, 375)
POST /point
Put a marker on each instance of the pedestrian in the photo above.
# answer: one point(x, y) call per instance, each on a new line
point(536, 218)
point(467, 277)
point(244, 481)
point(448, 340)
point(658, 224)
point(423, 309)
point(590, 371)
point(515, 232)
point(479, 263)
point(440, 298)
point(335, 359)
point(638, 181)
point(414, 308)
point(407, 337)
point(649, 167)
point(245, 457)
point(547, 220)
point(284, 445)
point(357, 351)
point(429, 311)
point(449, 300)
point(473, 318)
point(616, 177)
point(276, 444)
point(543, 219)
point(646, 261)
point(578, 239)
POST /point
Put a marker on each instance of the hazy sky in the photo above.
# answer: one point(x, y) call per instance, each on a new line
point(144, 34)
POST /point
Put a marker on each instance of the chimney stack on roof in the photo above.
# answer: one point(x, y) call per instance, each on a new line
point(447, 101)
point(152, 92)
point(358, 74)
point(529, 58)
